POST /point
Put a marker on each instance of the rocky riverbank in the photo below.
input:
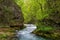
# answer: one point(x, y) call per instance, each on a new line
point(8, 34)
point(53, 34)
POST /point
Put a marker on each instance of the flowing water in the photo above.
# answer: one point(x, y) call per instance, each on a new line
point(26, 34)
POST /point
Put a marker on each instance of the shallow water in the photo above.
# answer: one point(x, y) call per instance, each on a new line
point(26, 34)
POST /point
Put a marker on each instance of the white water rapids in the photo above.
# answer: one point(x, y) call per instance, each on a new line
point(26, 34)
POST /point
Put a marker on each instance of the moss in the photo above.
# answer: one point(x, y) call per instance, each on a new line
point(7, 33)
point(10, 13)
point(53, 34)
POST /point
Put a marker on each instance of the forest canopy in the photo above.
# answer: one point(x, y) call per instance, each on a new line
point(34, 9)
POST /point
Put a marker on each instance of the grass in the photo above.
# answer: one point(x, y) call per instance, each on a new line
point(41, 27)
point(46, 28)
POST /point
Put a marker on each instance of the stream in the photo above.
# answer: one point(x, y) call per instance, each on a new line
point(26, 34)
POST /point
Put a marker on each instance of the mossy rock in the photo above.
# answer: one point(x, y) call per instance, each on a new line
point(10, 14)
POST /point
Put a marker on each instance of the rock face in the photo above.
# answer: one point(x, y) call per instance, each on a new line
point(10, 14)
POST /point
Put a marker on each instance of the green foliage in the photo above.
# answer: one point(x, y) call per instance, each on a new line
point(45, 28)
point(37, 10)
point(33, 9)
